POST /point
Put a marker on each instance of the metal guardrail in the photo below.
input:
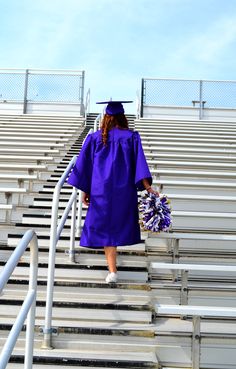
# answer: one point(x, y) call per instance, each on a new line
point(97, 122)
point(50, 86)
point(178, 93)
point(28, 307)
point(74, 205)
point(87, 104)
point(55, 233)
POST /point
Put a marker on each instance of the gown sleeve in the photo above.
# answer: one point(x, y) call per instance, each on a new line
point(141, 167)
point(81, 174)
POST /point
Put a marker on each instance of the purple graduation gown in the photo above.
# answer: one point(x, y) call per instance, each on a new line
point(111, 174)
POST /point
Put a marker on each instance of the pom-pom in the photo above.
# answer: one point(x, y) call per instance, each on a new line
point(155, 212)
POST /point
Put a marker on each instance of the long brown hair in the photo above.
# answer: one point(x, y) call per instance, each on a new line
point(111, 121)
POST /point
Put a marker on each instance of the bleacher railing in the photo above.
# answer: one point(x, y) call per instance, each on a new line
point(181, 93)
point(74, 206)
point(32, 86)
point(28, 307)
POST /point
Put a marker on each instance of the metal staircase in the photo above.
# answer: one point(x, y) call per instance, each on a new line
point(94, 324)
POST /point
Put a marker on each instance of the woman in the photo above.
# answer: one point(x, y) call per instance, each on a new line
point(110, 168)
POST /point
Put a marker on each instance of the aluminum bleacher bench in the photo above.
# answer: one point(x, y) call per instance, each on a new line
point(20, 178)
point(188, 144)
point(185, 269)
point(184, 183)
point(34, 135)
point(8, 208)
point(35, 138)
point(193, 173)
point(151, 134)
point(28, 167)
point(12, 151)
point(9, 191)
point(176, 237)
point(193, 150)
point(199, 164)
point(200, 202)
point(31, 144)
point(196, 157)
point(193, 140)
point(25, 158)
point(196, 313)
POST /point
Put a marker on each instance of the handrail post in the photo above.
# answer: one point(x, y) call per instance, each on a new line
point(54, 237)
point(28, 307)
point(31, 315)
point(79, 215)
point(72, 229)
point(47, 344)
point(196, 338)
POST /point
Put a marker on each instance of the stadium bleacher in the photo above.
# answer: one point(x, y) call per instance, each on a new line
point(175, 303)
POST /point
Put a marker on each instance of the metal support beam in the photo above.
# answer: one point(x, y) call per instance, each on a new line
point(26, 91)
point(200, 102)
point(184, 288)
point(196, 338)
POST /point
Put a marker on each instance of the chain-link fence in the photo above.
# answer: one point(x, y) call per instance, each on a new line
point(188, 93)
point(52, 86)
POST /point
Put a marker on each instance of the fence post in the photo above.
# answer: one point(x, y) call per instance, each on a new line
point(82, 94)
point(200, 101)
point(142, 98)
point(26, 91)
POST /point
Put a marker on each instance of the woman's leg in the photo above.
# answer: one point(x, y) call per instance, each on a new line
point(110, 252)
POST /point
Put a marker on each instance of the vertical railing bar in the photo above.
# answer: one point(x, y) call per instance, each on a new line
point(64, 217)
point(82, 93)
point(200, 100)
point(51, 270)
point(79, 214)
point(47, 344)
point(28, 307)
point(142, 98)
point(72, 229)
point(31, 316)
point(26, 91)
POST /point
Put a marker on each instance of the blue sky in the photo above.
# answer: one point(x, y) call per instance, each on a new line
point(117, 42)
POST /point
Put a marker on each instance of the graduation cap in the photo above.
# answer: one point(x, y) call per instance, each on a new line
point(114, 107)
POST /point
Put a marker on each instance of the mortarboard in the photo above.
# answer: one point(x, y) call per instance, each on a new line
point(114, 107)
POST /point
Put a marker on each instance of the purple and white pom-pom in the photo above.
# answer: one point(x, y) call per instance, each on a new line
point(155, 212)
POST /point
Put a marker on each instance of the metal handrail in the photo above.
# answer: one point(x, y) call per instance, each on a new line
point(87, 104)
point(97, 122)
point(55, 234)
point(28, 307)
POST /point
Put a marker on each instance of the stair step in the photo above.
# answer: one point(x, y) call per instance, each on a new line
point(89, 348)
point(62, 294)
point(82, 260)
point(63, 243)
point(79, 275)
point(82, 314)
point(57, 366)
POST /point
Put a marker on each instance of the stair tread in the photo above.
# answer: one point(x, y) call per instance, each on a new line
point(81, 294)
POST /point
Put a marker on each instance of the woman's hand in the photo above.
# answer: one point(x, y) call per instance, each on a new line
point(85, 198)
point(151, 190)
